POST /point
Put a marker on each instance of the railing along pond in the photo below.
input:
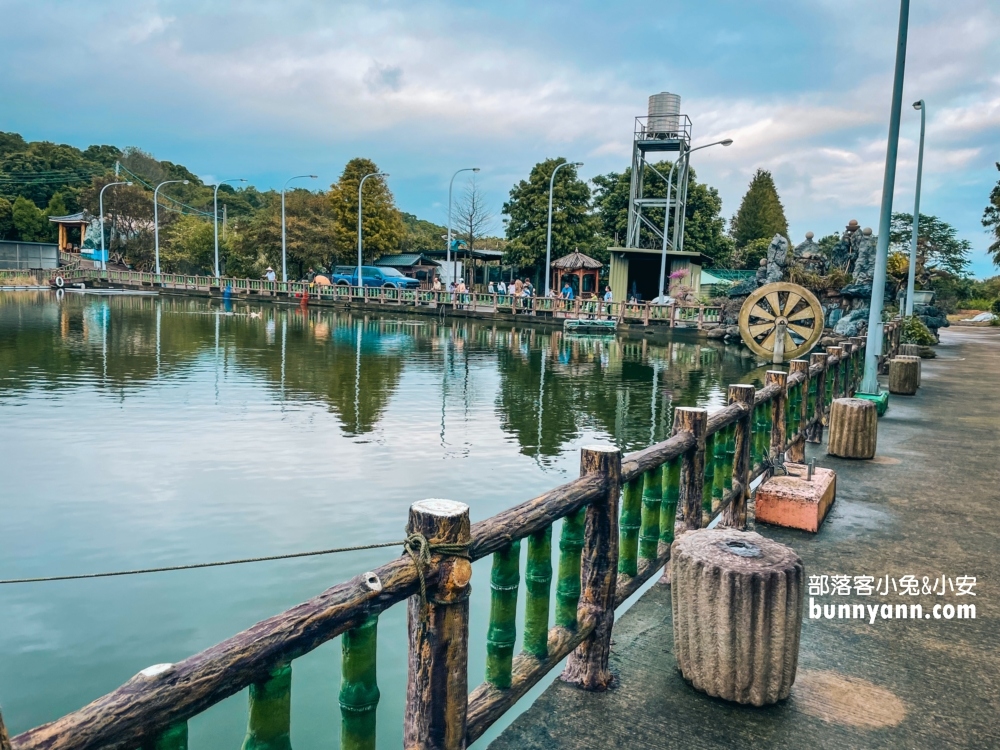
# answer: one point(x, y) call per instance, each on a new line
point(673, 315)
point(618, 521)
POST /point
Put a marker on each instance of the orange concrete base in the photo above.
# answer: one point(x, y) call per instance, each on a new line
point(794, 502)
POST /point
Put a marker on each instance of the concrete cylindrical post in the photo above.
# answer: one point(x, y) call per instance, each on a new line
point(853, 428)
point(916, 360)
point(737, 613)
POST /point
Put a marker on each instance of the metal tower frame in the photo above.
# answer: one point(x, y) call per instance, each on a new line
point(645, 212)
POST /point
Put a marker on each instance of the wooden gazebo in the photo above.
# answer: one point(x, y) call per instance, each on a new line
point(586, 270)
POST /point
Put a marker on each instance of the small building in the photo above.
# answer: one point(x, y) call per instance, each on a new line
point(72, 230)
point(414, 265)
point(582, 268)
point(635, 271)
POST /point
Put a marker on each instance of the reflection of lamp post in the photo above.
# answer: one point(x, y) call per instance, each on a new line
point(548, 235)
point(361, 185)
point(156, 220)
point(666, 212)
point(284, 265)
point(215, 218)
point(100, 201)
point(911, 274)
point(447, 251)
point(873, 346)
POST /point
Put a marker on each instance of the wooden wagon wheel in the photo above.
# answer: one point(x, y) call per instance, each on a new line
point(781, 321)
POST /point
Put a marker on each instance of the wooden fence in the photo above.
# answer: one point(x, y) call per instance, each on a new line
point(618, 521)
point(675, 315)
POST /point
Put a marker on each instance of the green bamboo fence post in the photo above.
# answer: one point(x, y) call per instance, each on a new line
point(695, 421)
point(735, 514)
point(270, 711)
point(502, 634)
point(778, 407)
point(859, 359)
point(709, 480)
point(359, 693)
point(568, 585)
point(671, 492)
point(816, 412)
point(837, 383)
point(174, 737)
point(538, 587)
point(797, 450)
point(629, 526)
point(730, 456)
point(652, 494)
point(719, 459)
point(763, 432)
point(848, 368)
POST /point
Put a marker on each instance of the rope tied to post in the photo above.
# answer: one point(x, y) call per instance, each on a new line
point(419, 549)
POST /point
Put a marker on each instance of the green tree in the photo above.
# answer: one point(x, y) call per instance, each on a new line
point(938, 246)
point(6, 219)
point(29, 221)
point(991, 220)
point(420, 235)
point(573, 225)
point(760, 215)
point(188, 246)
point(381, 224)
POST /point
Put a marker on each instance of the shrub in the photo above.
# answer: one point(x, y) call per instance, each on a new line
point(915, 332)
point(977, 303)
point(995, 307)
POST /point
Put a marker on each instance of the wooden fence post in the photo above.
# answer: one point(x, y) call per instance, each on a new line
point(778, 406)
point(735, 515)
point(587, 666)
point(797, 451)
point(695, 421)
point(814, 433)
point(859, 362)
point(834, 369)
point(437, 685)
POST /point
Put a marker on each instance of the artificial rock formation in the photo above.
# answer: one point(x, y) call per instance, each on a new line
point(853, 428)
point(777, 259)
point(737, 613)
point(809, 256)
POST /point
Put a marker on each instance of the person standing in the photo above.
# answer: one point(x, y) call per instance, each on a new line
point(269, 274)
point(608, 298)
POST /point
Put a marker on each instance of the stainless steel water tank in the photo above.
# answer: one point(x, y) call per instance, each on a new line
point(664, 109)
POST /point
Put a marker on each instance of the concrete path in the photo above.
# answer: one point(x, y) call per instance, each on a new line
point(928, 505)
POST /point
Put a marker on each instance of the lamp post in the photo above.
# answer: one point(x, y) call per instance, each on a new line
point(100, 201)
point(911, 274)
point(361, 185)
point(666, 211)
point(156, 220)
point(447, 250)
point(873, 346)
point(548, 234)
point(215, 218)
point(284, 255)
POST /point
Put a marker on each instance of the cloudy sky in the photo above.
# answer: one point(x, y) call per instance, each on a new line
point(265, 90)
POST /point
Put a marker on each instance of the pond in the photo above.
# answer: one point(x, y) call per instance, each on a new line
point(145, 431)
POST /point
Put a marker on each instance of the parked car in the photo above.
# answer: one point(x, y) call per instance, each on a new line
point(386, 277)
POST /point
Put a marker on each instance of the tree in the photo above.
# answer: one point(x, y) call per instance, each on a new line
point(991, 220)
point(760, 215)
point(472, 218)
point(6, 218)
point(381, 224)
point(938, 246)
point(29, 221)
point(420, 235)
point(573, 225)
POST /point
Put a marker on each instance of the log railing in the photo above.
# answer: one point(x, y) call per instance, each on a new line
point(673, 315)
point(616, 523)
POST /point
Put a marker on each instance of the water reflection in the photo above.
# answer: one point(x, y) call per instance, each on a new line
point(549, 387)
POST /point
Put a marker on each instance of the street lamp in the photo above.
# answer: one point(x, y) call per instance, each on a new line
point(911, 274)
point(361, 185)
point(100, 201)
point(447, 250)
point(215, 218)
point(548, 235)
point(284, 256)
point(873, 346)
point(666, 211)
point(156, 220)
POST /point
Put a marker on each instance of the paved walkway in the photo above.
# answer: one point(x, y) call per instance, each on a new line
point(927, 505)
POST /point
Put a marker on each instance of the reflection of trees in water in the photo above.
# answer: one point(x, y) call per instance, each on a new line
point(552, 387)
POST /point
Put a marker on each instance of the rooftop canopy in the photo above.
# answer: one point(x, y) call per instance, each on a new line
point(406, 260)
point(576, 261)
point(83, 217)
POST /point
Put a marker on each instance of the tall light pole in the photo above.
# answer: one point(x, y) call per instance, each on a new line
point(873, 346)
point(284, 254)
point(912, 273)
point(100, 202)
point(215, 218)
point(156, 219)
point(447, 250)
point(548, 234)
point(666, 211)
point(361, 185)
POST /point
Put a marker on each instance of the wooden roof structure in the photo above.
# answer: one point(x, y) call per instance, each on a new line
point(576, 261)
